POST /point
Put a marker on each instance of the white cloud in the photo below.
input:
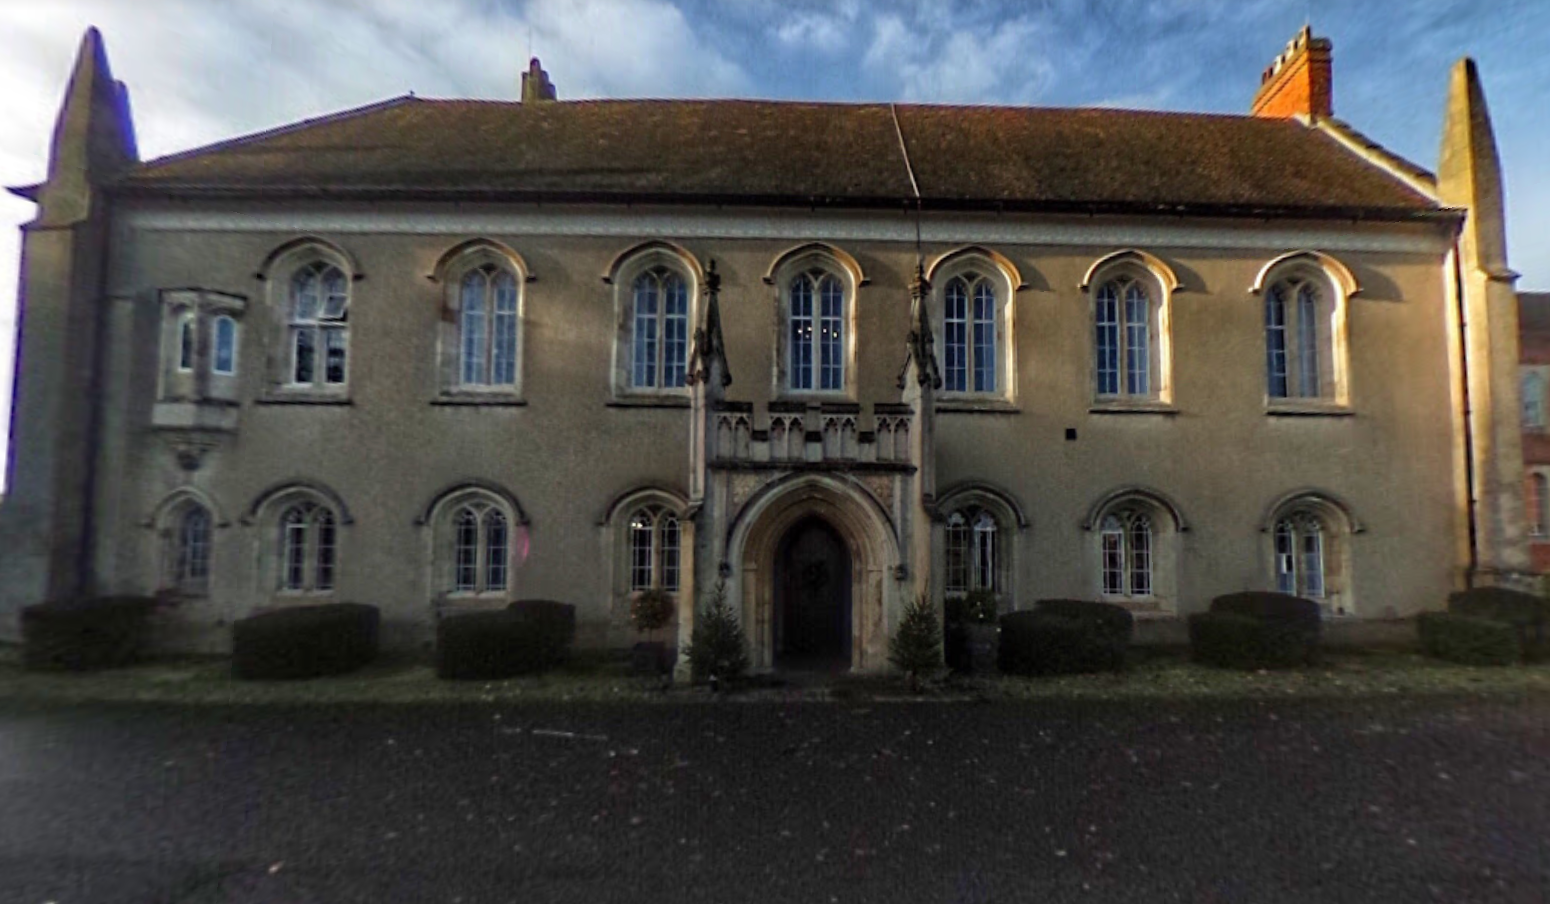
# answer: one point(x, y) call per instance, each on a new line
point(824, 32)
point(935, 59)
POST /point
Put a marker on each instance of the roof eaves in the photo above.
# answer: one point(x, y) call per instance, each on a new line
point(29, 192)
point(1418, 178)
point(277, 131)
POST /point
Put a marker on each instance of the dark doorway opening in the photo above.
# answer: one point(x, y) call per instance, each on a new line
point(812, 598)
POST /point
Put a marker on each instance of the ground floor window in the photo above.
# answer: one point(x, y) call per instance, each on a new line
point(1126, 554)
point(654, 550)
point(308, 548)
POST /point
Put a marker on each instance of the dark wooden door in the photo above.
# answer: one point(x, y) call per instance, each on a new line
point(813, 580)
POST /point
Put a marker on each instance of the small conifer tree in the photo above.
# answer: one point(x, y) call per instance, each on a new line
point(718, 649)
point(916, 649)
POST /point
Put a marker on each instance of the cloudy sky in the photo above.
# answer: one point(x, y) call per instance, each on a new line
point(204, 70)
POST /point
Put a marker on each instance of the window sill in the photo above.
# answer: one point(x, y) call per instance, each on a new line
point(1138, 406)
point(1307, 409)
point(495, 401)
point(976, 406)
point(798, 400)
point(648, 402)
point(302, 398)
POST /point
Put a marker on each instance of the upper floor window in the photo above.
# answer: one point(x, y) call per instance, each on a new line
point(487, 321)
point(1124, 342)
point(1533, 392)
point(318, 332)
point(199, 345)
point(1304, 296)
point(815, 287)
point(654, 550)
point(969, 335)
point(1536, 502)
point(308, 547)
point(659, 338)
point(1297, 340)
point(816, 318)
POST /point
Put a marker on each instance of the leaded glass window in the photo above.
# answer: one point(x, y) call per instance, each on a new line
point(973, 552)
point(480, 549)
point(487, 327)
point(319, 338)
point(225, 362)
point(1125, 553)
point(659, 339)
point(816, 332)
point(308, 548)
point(1299, 556)
point(1297, 339)
point(970, 334)
point(191, 549)
point(1123, 317)
point(655, 549)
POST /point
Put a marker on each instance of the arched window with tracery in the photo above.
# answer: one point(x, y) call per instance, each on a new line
point(655, 546)
point(481, 559)
point(308, 548)
point(188, 538)
point(970, 334)
point(659, 338)
point(318, 331)
point(1299, 551)
point(973, 551)
point(1298, 353)
point(1127, 561)
point(487, 327)
point(1125, 313)
point(816, 331)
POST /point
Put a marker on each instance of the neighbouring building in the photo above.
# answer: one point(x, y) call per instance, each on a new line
point(1534, 343)
point(443, 354)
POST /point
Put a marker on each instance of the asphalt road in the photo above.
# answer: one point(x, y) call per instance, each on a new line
point(1384, 801)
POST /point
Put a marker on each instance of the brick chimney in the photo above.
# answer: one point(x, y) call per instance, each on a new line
point(1298, 81)
point(536, 86)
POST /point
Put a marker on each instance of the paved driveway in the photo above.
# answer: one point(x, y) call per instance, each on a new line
point(1372, 801)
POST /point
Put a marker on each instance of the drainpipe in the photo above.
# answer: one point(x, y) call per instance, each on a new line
point(1469, 436)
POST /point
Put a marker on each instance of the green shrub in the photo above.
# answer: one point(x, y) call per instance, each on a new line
point(916, 649)
point(304, 641)
point(81, 635)
point(651, 609)
point(526, 637)
point(717, 646)
point(1237, 641)
point(1277, 607)
point(1528, 614)
point(977, 607)
point(1065, 637)
point(1468, 640)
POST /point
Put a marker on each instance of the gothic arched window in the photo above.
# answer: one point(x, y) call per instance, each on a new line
point(1125, 313)
point(654, 538)
point(816, 332)
point(970, 334)
point(1125, 539)
point(659, 337)
point(308, 548)
point(481, 548)
point(318, 332)
point(487, 327)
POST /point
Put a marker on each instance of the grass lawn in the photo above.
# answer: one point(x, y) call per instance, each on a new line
point(1154, 674)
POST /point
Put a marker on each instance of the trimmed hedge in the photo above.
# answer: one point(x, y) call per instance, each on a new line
point(82, 635)
point(1528, 614)
point(526, 637)
point(1065, 637)
point(1468, 640)
point(1277, 607)
point(1235, 641)
point(304, 641)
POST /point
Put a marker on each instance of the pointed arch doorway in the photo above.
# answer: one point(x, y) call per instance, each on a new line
point(813, 607)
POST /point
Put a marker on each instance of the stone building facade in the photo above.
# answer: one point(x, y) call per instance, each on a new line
point(438, 355)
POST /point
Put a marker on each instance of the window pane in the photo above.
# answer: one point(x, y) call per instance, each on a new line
point(193, 554)
point(304, 295)
point(1141, 556)
point(465, 551)
point(802, 333)
point(1286, 573)
point(956, 338)
point(225, 345)
point(985, 553)
point(504, 342)
point(1275, 340)
point(471, 325)
point(670, 553)
point(335, 294)
point(1539, 507)
point(1108, 340)
point(1312, 559)
point(304, 342)
point(675, 331)
point(1533, 393)
point(640, 552)
point(644, 342)
point(293, 548)
point(186, 342)
point(832, 334)
point(335, 341)
point(495, 550)
point(324, 525)
point(1138, 319)
point(957, 554)
point(984, 337)
point(1112, 537)
point(1307, 341)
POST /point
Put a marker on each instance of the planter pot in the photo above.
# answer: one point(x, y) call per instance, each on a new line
point(652, 657)
point(981, 642)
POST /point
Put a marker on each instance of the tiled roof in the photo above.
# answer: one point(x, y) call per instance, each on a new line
point(1534, 312)
point(775, 152)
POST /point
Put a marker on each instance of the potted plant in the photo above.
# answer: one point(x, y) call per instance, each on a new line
point(976, 615)
point(650, 611)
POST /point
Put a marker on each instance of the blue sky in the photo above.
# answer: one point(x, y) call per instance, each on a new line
point(199, 71)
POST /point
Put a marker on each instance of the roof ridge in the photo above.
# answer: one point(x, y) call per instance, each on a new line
point(286, 129)
point(1370, 151)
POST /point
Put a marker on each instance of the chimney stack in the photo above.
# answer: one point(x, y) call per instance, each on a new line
point(1298, 82)
point(536, 86)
